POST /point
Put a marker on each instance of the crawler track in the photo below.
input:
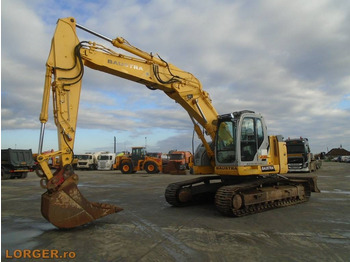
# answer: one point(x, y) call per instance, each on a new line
point(239, 199)
point(191, 191)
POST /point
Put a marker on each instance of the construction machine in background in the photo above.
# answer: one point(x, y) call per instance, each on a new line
point(249, 165)
point(137, 161)
point(179, 163)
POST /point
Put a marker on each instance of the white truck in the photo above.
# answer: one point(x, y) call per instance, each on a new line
point(105, 161)
point(88, 161)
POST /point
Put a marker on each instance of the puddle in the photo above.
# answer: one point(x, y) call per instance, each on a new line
point(336, 191)
point(18, 235)
point(104, 186)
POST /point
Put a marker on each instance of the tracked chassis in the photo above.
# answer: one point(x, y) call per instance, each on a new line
point(242, 196)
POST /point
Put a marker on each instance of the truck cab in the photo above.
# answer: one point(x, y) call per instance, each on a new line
point(105, 161)
point(178, 162)
point(300, 158)
point(88, 161)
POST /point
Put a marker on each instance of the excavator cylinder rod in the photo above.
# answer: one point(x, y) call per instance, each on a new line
point(67, 207)
point(94, 33)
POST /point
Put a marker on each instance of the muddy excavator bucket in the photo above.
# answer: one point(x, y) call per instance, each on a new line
point(68, 208)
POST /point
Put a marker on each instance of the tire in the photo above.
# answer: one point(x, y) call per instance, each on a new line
point(126, 168)
point(151, 168)
point(92, 167)
point(4, 174)
point(24, 175)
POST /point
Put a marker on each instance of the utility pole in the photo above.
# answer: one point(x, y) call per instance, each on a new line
point(115, 145)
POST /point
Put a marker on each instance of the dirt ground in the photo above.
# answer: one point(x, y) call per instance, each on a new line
point(150, 230)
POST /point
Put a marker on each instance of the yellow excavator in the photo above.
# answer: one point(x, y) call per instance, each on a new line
point(248, 163)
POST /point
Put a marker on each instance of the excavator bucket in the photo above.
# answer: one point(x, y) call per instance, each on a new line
point(68, 208)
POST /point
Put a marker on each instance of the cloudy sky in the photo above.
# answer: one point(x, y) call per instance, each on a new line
point(289, 60)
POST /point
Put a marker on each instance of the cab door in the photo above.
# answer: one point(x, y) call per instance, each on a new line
point(138, 153)
point(253, 141)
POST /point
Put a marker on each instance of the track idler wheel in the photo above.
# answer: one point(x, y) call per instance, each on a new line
point(68, 208)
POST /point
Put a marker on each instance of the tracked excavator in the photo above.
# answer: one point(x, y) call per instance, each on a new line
point(247, 166)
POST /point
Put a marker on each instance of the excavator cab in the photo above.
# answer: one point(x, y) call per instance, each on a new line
point(241, 139)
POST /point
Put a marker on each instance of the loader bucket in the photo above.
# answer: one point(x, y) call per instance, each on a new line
point(68, 208)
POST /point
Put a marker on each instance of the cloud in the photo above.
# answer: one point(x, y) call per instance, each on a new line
point(288, 60)
point(179, 142)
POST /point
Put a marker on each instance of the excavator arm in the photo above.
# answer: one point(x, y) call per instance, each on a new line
point(62, 204)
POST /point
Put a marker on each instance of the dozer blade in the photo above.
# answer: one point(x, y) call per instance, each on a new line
point(312, 180)
point(68, 208)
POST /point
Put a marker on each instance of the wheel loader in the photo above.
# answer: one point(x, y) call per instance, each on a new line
point(137, 161)
point(247, 166)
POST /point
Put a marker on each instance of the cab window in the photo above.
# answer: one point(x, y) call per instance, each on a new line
point(226, 145)
point(248, 139)
point(252, 137)
point(259, 131)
